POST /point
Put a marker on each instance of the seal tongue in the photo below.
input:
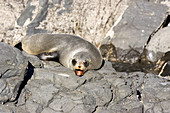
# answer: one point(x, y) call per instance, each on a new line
point(79, 72)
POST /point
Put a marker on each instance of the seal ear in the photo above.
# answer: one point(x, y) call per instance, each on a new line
point(74, 62)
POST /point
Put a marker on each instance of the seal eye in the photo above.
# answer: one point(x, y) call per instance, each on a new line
point(74, 62)
point(86, 63)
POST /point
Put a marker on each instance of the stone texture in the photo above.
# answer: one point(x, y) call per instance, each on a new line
point(132, 32)
point(155, 92)
point(158, 45)
point(55, 88)
point(9, 12)
point(12, 70)
point(89, 19)
point(43, 89)
point(127, 106)
point(158, 88)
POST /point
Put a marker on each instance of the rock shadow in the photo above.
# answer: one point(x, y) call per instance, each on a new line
point(28, 75)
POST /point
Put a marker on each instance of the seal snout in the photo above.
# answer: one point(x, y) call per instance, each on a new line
point(79, 67)
point(79, 72)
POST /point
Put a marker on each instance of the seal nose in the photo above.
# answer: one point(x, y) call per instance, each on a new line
point(79, 66)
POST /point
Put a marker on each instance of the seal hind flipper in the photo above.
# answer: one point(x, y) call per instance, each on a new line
point(49, 56)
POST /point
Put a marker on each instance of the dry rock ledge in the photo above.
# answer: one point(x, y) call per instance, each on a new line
point(123, 28)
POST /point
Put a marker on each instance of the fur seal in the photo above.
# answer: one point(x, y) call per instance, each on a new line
point(72, 51)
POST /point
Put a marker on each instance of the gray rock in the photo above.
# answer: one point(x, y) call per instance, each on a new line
point(100, 91)
point(165, 69)
point(67, 5)
point(32, 31)
point(92, 75)
point(43, 2)
point(56, 1)
point(79, 109)
point(107, 69)
point(67, 102)
point(122, 92)
point(137, 79)
point(105, 111)
point(64, 104)
point(39, 17)
point(34, 60)
point(61, 76)
point(158, 45)
point(138, 22)
point(35, 22)
point(165, 106)
point(127, 106)
point(12, 70)
point(42, 91)
point(155, 94)
point(26, 13)
point(33, 107)
point(160, 107)
point(48, 110)
point(11, 61)
point(155, 89)
point(6, 109)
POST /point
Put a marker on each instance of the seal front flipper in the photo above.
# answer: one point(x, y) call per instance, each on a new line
point(48, 56)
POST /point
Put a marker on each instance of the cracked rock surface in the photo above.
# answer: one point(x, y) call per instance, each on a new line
point(132, 32)
point(56, 89)
point(12, 70)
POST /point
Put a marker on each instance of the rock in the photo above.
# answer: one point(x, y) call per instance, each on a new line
point(26, 14)
point(5, 109)
point(34, 60)
point(107, 69)
point(78, 109)
point(9, 12)
point(165, 106)
point(64, 104)
point(39, 17)
point(43, 3)
point(12, 71)
point(158, 45)
point(48, 110)
point(56, 1)
point(155, 89)
point(33, 107)
point(165, 72)
point(127, 106)
point(60, 76)
point(32, 30)
point(101, 93)
point(51, 16)
point(42, 91)
point(155, 94)
point(135, 27)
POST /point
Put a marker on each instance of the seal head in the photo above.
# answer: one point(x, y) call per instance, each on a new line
point(80, 63)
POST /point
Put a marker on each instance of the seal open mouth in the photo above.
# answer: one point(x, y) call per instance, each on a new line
point(79, 72)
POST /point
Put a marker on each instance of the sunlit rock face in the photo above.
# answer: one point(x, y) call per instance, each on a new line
point(134, 29)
